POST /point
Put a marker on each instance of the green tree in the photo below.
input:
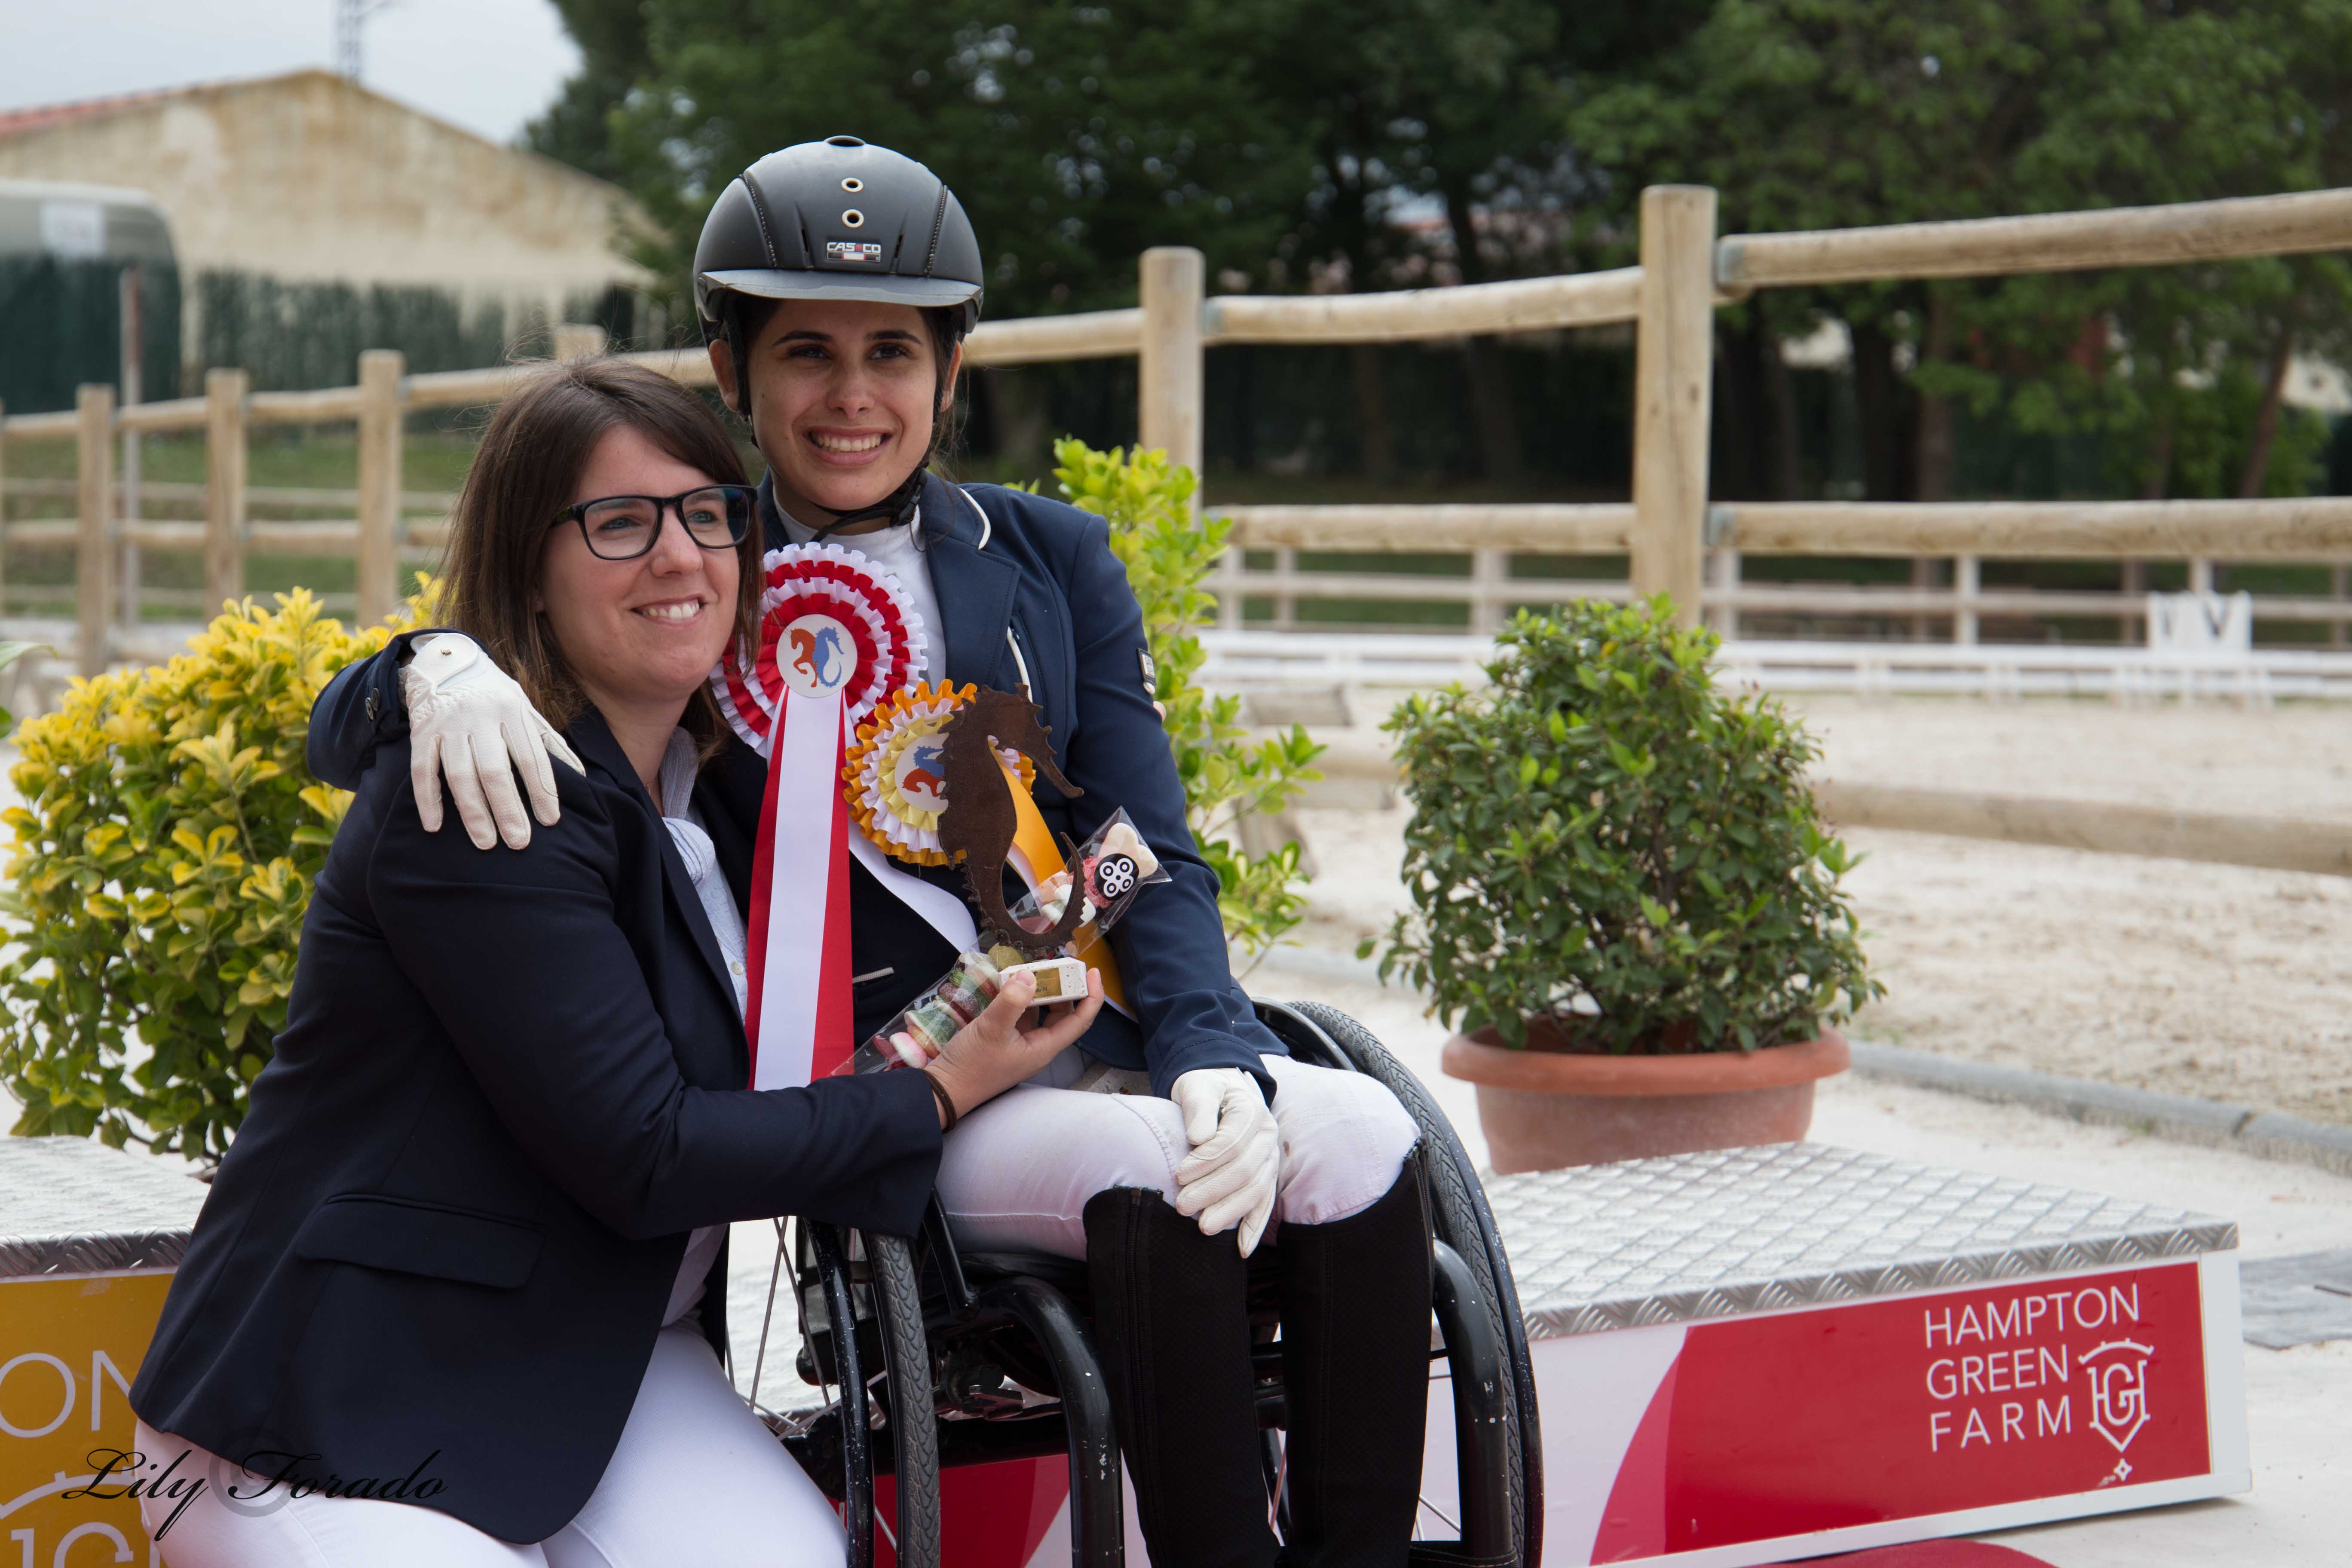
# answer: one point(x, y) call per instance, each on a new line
point(1076, 139)
point(1448, 107)
point(1824, 113)
point(1283, 138)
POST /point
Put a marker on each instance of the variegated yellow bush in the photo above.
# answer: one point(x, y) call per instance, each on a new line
point(163, 858)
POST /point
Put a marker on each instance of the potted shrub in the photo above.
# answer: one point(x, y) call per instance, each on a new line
point(1624, 894)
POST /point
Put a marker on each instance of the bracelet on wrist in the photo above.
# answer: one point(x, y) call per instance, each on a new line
point(947, 1102)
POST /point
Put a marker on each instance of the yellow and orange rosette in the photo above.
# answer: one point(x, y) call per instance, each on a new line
point(894, 775)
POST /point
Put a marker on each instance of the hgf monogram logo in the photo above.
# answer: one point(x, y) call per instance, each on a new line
point(2118, 1370)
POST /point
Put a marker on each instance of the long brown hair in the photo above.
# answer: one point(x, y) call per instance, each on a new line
point(522, 476)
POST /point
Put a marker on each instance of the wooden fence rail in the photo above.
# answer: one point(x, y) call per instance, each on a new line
point(1668, 532)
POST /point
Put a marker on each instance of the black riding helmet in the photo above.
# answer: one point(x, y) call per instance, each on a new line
point(835, 219)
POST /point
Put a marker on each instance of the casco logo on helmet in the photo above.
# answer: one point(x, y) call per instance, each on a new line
point(852, 250)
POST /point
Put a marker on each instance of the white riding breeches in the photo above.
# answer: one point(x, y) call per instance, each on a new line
point(1016, 1173)
point(696, 1481)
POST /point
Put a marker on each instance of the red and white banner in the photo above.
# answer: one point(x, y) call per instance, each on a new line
point(1774, 1436)
point(837, 632)
point(1780, 1435)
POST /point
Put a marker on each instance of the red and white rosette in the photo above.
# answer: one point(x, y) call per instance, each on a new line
point(837, 634)
point(831, 621)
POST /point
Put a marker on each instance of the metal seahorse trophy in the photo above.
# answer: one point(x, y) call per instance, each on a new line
point(837, 635)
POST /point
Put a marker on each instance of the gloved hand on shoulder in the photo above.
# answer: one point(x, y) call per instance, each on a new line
point(470, 722)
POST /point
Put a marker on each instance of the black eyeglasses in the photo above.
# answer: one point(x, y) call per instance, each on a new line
point(622, 527)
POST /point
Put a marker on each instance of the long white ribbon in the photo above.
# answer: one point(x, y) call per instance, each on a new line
point(806, 764)
point(943, 911)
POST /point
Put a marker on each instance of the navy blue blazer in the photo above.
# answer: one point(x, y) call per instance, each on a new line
point(510, 1084)
point(1030, 594)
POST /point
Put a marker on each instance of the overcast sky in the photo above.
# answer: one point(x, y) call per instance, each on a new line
point(487, 65)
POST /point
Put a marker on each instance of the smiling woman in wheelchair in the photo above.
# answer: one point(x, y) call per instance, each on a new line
point(835, 282)
point(465, 1263)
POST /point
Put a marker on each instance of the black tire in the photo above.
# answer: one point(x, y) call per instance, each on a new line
point(840, 1364)
point(1464, 1222)
point(889, 1342)
point(914, 1424)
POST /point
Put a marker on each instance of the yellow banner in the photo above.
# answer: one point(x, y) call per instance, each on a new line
point(69, 1348)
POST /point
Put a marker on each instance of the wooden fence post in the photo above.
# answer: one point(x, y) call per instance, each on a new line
point(380, 437)
point(1968, 581)
point(94, 437)
point(225, 469)
point(127, 484)
point(1491, 570)
point(1727, 570)
point(1673, 366)
point(1169, 416)
point(1226, 582)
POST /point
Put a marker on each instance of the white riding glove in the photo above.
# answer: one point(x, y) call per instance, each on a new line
point(1236, 1160)
point(468, 721)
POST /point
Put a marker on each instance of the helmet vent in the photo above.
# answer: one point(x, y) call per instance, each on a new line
point(853, 184)
point(843, 142)
point(852, 219)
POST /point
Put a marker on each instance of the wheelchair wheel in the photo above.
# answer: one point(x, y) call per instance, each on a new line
point(915, 1431)
point(887, 1340)
point(1325, 1036)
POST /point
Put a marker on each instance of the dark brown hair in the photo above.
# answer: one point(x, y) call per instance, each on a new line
point(531, 458)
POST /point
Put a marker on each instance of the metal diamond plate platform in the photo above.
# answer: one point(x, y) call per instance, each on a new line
point(1733, 1231)
point(69, 1205)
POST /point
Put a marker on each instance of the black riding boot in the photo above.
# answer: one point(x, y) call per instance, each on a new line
point(1355, 1367)
point(1172, 1332)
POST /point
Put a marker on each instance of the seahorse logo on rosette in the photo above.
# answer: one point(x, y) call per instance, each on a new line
point(831, 621)
point(821, 660)
point(896, 774)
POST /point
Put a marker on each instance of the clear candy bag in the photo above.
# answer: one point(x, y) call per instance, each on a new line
point(923, 1030)
point(1114, 865)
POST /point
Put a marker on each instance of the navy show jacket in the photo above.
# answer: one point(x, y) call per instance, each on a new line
point(509, 1085)
point(1031, 594)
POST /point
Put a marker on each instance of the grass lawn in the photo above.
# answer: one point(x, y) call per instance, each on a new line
point(293, 457)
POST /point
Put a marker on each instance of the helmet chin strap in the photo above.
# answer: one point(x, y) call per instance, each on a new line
point(894, 508)
point(899, 506)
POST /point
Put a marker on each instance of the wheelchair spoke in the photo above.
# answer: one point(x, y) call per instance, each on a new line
point(759, 1361)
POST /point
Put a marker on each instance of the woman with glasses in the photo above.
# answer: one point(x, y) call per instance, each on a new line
point(457, 1294)
point(836, 282)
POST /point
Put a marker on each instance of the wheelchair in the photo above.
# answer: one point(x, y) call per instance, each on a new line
point(933, 1358)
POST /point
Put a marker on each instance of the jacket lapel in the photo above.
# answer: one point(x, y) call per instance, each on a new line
point(974, 586)
point(594, 739)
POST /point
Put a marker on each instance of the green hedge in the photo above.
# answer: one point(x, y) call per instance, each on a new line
point(62, 327)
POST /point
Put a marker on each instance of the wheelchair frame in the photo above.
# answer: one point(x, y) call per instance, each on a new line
point(984, 1357)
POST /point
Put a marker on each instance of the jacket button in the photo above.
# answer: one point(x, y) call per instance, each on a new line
point(374, 706)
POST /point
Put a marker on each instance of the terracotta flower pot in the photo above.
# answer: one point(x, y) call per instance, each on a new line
point(1543, 1109)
